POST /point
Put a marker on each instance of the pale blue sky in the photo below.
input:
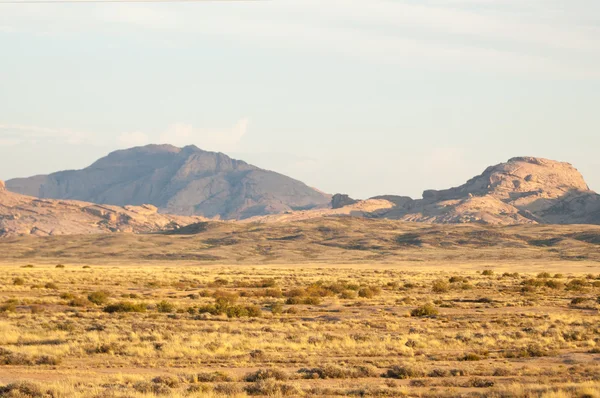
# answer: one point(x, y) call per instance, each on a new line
point(362, 97)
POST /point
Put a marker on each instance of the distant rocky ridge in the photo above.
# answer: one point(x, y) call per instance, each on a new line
point(524, 190)
point(185, 181)
point(22, 215)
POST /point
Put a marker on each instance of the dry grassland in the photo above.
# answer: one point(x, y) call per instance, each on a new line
point(503, 313)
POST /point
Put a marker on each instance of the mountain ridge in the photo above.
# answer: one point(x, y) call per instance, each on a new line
point(186, 181)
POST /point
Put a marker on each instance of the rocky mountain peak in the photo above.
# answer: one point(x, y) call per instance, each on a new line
point(187, 181)
point(520, 176)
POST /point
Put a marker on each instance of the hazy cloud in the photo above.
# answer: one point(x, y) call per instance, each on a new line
point(17, 134)
point(180, 134)
point(132, 139)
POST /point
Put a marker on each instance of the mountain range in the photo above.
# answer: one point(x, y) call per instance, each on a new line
point(159, 187)
point(184, 181)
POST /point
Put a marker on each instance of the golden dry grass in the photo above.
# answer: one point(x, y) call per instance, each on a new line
point(342, 328)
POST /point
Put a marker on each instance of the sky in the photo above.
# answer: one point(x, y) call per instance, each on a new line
point(359, 97)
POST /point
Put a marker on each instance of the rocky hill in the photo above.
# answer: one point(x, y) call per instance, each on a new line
point(185, 181)
point(524, 190)
point(22, 215)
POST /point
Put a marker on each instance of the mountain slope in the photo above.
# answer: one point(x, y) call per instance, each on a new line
point(524, 190)
point(22, 215)
point(187, 181)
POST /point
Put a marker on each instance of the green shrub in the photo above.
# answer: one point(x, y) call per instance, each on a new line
point(9, 306)
point(125, 306)
point(369, 292)
point(470, 357)
point(60, 266)
point(78, 302)
point(425, 310)
point(264, 374)
point(552, 284)
point(276, 308)
point(165, 307)
point(213, 377)
point(440, 286)
point(403, 372)
point(98, 298)
point(272, 388)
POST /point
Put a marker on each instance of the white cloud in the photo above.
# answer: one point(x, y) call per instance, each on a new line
point(16, 134)
point(132, 139)
point(528, 37)
point(180, 134)
point(8, 142)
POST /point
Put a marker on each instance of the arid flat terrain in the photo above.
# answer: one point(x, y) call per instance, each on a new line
point(338, 307)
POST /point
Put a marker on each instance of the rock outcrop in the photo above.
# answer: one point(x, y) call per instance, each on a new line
point(522, 190)
point(24, 215)
point(340, 200)
point(185, 181)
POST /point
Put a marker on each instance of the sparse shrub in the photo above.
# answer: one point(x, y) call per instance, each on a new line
point(51, 285)
point(9, 306)
point(98, 298)
point(439, 373)
point(18, 281)
point(457, 279)
point(165, 307)
point(60, 266)
point(276, 308)
point(425, 310)
point(273, 292)
point(219, 282)
point(228, 389)
point(553, 284)
point(25, 389)
point(27, 266)
point(303, 300)
point(267, 282)
point(440, 286)
point(578, 300)
point(369, 292)
point(531, 351)
point(78, 302)
point(336, 372)
point(558, 276)
point(481, 383)
point(544, 275)
point(348, 295)
point(487, 272)
point(169, 381)
point(403, 372)
point(576, 285)
point(86, 267)
point(471, 357)
point(272, 388)
point(196, 389)
point(213, 377)
point(263, 374)
point(125, 306)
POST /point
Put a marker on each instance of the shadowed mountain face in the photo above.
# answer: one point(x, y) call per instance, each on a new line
point(186, 181)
